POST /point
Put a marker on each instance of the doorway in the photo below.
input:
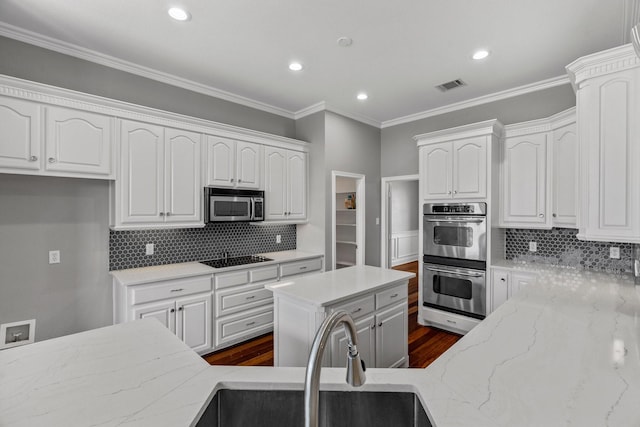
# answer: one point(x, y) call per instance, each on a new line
point(400, 220)
point(348, 219)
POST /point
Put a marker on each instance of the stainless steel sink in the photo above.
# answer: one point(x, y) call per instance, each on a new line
point(285, 408)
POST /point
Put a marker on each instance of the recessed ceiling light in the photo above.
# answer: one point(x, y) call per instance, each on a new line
point(295, 66)
point(362, 96)
point(179, 14)
point(481, 54)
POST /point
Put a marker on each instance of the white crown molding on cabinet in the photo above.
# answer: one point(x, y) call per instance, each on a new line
point(485, 99)
point(602, 63)
point(36, 39)
point(546, 124)
point(47, 94)
point(487, 127)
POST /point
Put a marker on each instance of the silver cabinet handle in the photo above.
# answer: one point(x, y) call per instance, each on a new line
point(503, 279)
point(554, 215)
point(177, 290)
point(161, 213)
point(173, 310)
point(451, 321)
point(303, 268)
point(449, 192)
point(541, 215)
point(455, 191)
point(180, 309)
point(393, 296)
point(357, 310)
point(33, 158)
point(232, 180)
point(52, 160)
point(251, 297)
point(380, 324)
point(251, 323)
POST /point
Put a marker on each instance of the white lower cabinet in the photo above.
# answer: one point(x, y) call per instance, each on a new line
point(181, 305)
point(505, 283)
point(381, 319)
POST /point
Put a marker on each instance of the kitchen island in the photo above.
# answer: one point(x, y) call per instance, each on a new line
point(376, 299)
point(563, 352)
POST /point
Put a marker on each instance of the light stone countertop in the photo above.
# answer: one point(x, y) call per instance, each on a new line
point(136, 276)
point(564, 352)
point(338, 285)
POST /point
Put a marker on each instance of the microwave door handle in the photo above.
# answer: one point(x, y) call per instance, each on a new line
point(453, 272)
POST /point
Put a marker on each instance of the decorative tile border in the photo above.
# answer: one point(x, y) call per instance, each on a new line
point(127, 248)
point(559, 246)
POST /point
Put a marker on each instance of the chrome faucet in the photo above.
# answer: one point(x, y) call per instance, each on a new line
point(355, 366)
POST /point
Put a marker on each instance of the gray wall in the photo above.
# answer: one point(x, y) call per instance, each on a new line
point(404, 206)
point(33, 63)
point(311, 236)
point(352, 146)
point(399, 150)
point(39, 214)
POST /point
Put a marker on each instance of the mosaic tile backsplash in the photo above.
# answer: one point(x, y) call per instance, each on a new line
point(127, 248)
point(559, 246)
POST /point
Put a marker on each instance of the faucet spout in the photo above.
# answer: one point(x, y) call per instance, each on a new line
point(355, 366)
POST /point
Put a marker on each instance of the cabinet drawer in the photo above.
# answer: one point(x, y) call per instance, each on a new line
point(229, 300)
point(232, 278)
point(300, 267)
point(359, 307)
point(234, 327)
point(264, 273)
point(169, 289)
point(391, 296)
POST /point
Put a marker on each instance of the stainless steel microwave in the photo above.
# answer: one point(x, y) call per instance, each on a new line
point(230, 205)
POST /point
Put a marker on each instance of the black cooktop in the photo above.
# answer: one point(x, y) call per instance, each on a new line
point(240, 260)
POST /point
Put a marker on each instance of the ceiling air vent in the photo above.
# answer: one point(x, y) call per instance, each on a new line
point(451, 85)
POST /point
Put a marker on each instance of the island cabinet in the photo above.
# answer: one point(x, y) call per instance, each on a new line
point(375, 298)
point(608, 106)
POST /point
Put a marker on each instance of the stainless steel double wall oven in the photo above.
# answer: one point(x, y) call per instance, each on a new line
point(455, 257)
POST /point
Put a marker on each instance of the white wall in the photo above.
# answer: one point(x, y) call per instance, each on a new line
point(404, 206)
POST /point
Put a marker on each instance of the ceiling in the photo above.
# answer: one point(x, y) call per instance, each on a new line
point(240, 49)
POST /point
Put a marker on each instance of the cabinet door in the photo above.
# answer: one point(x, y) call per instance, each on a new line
point(194, 321)
point(608, 108)
point(366, 344)
point(470, 168)
point(141, 173)
point(220, 162)
point(248, 160)
point(436, 161)
point(78, 142)
point(524, 182)
point(565, 176)
point(183, 192)
point(163, 311)
point(499, 288)
point(520, 281)
point(19, 135)
point(297, 185)
point(392, 337)
point(275, 185)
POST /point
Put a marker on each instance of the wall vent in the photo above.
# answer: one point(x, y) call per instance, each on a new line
point(451, 85)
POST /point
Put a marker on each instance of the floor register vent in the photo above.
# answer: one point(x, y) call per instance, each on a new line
point(451, 85)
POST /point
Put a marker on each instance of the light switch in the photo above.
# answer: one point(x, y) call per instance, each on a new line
point(149, 249)
point(54, 257)
point(614, 252)
point(278, 238)
point(533, 247)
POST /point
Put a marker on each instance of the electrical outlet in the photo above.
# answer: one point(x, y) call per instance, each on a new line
point(614, 252)
point(377, 221)
point(54, 257)
point(149, 249)
point(533, 247)
point(278, 238)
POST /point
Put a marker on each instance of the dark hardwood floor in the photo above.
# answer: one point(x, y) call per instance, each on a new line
point(425, 343)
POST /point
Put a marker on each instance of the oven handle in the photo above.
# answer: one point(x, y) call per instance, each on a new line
point(455, 220)
point(454, 272)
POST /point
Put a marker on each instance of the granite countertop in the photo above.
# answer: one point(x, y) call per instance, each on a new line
point(564, 351)
point(338, 285)
point(136, 276)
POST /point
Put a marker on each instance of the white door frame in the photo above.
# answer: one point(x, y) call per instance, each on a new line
point(360, 214)
point(385, 216)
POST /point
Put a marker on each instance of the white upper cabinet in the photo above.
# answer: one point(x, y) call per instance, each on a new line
point(524, 180)
point(565, 170)
point(20, 138)
point(285, 185)
point(77, 141)
point(66, 142)
point(454, 162)
point(159, 181)
point(232, 163)
point(608, 104)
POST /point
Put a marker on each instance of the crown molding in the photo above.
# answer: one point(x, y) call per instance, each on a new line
point(323, 106)
point(485, 128)
point(49, 43)
point(505, 94)
point(311, 109)
point(601, 63)
point(631, 16)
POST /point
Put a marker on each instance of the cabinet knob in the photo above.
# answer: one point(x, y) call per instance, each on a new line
point(52, 160)
point(455, 191)
point(503, 279)
point(180, 309)
point(541, 215)
point(239, 180)
point(161, 213)
point(173, 310)
point(232, 180)
point(168, 213)
point(449, 192)
point(373, 326)
point(33, 158)
point(554, 215)
point(380, 324)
